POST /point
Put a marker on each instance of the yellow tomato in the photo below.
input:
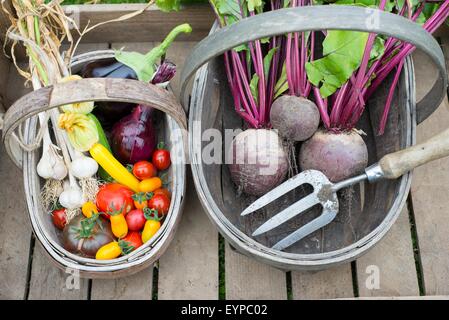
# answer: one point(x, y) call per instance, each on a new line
point(109, 251)
point(88, 209)
point(119, 226)
point(149, 185)
point(150, 229)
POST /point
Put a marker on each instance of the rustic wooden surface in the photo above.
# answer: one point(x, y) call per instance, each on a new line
point(190, 267)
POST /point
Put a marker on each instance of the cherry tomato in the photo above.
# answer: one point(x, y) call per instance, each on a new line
point(135, 220)
point(114, 197)
point(163, 191)
point(149, 185)
point(59, 218)
point(160, 203)
point(161, 157)
point(141, 200)
point(144, 170)
point(133, 239)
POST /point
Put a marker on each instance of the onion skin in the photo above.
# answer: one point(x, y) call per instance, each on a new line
point(134, 137)
point(338, 155)
point(258, 161)
point(295, 118)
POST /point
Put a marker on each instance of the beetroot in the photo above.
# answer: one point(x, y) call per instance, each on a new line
point(337, 155)
point(258, 161)
point(134, 137)
point(296, 118)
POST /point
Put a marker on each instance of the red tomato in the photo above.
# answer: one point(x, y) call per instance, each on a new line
point(159, 202)
point(59, 218)
point(114, 197)
point(144, 170)
point(134, 239)
point(161, 158)
point(163, 191)
point(135, 220)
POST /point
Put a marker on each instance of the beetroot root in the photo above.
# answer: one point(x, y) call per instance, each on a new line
point(295, 118)
point(338, 155)
point(258, 162)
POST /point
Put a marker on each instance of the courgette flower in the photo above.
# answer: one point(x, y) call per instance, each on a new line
point(81, 107)
point(81, 130)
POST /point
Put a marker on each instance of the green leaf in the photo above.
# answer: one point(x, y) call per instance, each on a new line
point(254, 87)
point(267, 61)
point(378, 49)
point(342, 55)
point(168, 5)
point(144, 64)
point(254, 4)
point(282, 84)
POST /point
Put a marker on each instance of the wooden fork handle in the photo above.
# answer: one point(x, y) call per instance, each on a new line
point(396, 164)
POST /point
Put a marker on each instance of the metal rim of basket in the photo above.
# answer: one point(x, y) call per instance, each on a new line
point(233, 234)
point(146, 254)
point(315, 18)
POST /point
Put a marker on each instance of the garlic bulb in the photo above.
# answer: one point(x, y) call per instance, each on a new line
point(72, 197)
point(51, 165)
point(83, 167)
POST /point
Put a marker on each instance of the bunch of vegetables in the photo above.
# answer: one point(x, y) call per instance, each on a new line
point(97, 203)
point(288, 83)
point(120, 220)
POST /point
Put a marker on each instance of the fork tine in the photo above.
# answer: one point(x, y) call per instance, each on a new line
point(274, 194)
point(288, 213)
point(325, 218)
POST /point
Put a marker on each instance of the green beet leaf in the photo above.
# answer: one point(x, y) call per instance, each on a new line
point(342, 55)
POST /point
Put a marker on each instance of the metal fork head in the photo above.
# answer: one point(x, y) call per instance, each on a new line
point(323, 194)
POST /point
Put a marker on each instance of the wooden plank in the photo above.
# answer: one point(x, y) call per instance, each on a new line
point(384, 259)
point(135, 287)
point(327, 284)
point(430, 201)
point(48, 282)
point(152, 25)
point(189, 268)
point(247, 278)
point(15, 231)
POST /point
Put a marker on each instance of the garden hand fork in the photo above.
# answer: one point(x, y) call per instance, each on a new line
point(391, 166)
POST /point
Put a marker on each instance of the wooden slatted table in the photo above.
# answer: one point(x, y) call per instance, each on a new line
point(412, 260)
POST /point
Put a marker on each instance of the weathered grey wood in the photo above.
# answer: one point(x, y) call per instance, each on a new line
point(15, 231)
point(247, 278)
point(135, 287)
point(152, 25)
point(393, 261)
point(328, 284)
point(189, 267)
point(430, 201)
point(48, 282)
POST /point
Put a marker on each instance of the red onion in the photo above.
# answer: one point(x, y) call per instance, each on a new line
point(134, 137)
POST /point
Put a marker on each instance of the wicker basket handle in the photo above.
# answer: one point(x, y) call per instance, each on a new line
point(329, 17)
point(92, 89)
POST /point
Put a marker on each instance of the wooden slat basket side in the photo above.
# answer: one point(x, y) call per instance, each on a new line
point(172, 126)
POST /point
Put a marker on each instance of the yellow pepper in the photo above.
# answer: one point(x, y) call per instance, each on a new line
point(112, 166)
point(88, 209)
